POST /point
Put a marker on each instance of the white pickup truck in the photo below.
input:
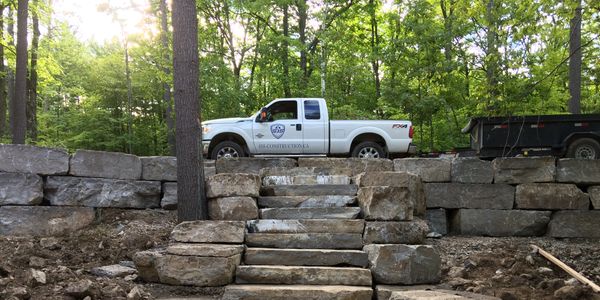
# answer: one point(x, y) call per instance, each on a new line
point(301, 127)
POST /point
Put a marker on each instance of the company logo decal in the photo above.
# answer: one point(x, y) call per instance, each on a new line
point(277, 130)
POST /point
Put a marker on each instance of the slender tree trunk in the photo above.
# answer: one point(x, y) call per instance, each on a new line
point(18, 119)
point(129, 100)
point(192, 204)
point(323, 70)
point(492, 55)
point(2, 77)
point(285, 52)
point(375, 50)
point(33, 76)
point(167, 99)
point(10, 74)
point(575, 61)
point(302, 18)
point(49, 36)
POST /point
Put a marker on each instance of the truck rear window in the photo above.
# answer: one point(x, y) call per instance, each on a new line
point(312, 110)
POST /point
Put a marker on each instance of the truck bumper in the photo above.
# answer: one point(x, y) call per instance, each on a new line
point(412, 148)
point(205, 145)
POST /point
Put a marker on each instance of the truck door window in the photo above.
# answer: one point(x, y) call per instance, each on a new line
point(312, 110)
point(283, 110)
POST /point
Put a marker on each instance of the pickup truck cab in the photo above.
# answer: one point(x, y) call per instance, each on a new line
point(301, 127)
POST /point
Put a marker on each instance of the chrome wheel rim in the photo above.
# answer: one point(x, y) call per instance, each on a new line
point(368, 152)
point(227, 152)
point(585, 152)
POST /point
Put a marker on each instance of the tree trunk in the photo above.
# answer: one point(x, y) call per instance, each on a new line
point(492, 56)
point(302, 18)
point(575, 62)
point(167, 99)
point(375, 50)
point(2, 77)
point(192, 204)
point(18, 118)
point(323, 70)
point(33, 76)
point(129, 99)
point(10, 74)
point(285, 52)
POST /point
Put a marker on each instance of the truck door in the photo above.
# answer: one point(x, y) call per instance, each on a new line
point(281, 133)
point(315, 128)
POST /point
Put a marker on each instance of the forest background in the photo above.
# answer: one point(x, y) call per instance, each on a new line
point(434, 62)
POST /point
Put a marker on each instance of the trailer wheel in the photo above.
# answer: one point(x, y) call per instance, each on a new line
point(584, 148)
point(227, 149)
point(368, 150)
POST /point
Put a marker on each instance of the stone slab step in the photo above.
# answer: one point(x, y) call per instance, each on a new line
point(305, 257)
point(263, 274)
point(305, 179)
point(296, 292)
point(310, 213)
point(305, 240)
point(310, 190)
point(306, 201)
point(306, 226)
point(425, 292)
point(303, 171)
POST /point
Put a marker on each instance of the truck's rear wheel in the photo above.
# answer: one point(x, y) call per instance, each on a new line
point(368, 150)
point(584, 148)
point(227, 149)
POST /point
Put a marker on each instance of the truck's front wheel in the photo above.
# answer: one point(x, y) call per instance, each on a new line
point(227, 149)
point(368, 150)
point(584, 148)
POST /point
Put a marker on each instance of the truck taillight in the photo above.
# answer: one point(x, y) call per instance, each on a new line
point(411, 131)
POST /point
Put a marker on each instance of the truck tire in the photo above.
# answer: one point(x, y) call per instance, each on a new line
point(227, 149)
point(368, 150)
point(584, 148)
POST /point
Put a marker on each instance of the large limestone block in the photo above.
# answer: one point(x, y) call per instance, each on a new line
point(33, 159)
point(87, 163)
point(169, 198)
point(551, 196)
point(425, 292)
point(429, 169)
point(572, 224)
point(515, 170)
point(408, 232)
point(310, 190)
point(472, 170)
point(579, 171)
point(297, 292)
point(20, 189)
point(306, 201)
point(397, 179)
point(385, 203)
point(437, 220)
point(99, 192)
point(594, 193)
point(252, 165)
point(404, 264)
point(491, 222)
point(305, 257)
point(305, 240)
point(197, 270)
point(304, 171)
point(316, 275)
point(232, 208)
point(162, 168)
point(207, 250)
point(146, 261)
point(209, 232)
point(357, 165)
point(43, 220)
point(310, 213)
point(458, 195)
point(306, 226)
point(233, 185)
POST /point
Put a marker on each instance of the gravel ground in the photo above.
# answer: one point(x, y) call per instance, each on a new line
point(501, 267)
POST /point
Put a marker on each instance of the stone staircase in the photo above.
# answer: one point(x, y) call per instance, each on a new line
point(307, 242)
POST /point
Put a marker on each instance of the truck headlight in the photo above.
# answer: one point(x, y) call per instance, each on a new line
point(205, 129)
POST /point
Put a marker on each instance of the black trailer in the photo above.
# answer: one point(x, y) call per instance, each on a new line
point(575, 136)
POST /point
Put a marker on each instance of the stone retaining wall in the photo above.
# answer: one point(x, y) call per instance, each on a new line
point(510, 196)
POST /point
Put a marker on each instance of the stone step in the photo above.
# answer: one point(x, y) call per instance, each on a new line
point(305, 179)
point(310, 190)
point(298, 171)
point(306, 201)
point(310, 213)
point(263, 274)
point(306, 257)
point(306, 226)
point(297, 292)
point(305, 240)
